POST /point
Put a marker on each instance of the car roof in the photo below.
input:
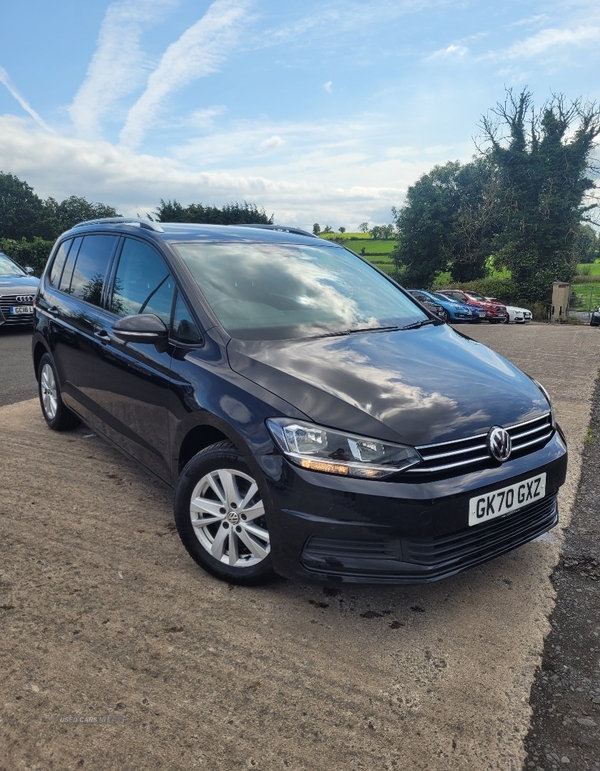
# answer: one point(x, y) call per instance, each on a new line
point(186, 231)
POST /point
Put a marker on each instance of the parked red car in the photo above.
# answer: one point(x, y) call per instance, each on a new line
point(495, 312)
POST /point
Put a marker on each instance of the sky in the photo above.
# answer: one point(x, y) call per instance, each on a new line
point(315, 110)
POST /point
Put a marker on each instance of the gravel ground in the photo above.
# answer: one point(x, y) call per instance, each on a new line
point(106, 621)
point(565, 696)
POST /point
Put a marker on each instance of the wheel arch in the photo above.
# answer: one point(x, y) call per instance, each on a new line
point(39, 349)
point(200, 437)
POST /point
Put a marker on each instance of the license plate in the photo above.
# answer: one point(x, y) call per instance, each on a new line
point(481, 314)
point(506, 499)
point(18, 309)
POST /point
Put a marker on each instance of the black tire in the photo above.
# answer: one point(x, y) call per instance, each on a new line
point(221, 518)
point(57, 416)
point(444, 315)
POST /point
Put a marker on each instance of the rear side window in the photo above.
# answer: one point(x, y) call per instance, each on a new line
point(90, 268)
point(143, 283)
point(58, 264)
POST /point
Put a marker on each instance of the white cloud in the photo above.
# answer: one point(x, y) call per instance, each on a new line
point(550, 40)
point(336, 187)
point(5, 80)
point(328, 86)
point(452, 51)
point(204, 118)
point(119, 66)
point(272, 143)
point(199, 52)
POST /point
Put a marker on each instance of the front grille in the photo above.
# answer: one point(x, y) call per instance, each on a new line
point(8, 301)
point(481, 541)
point(465, 454)
point(400, 560)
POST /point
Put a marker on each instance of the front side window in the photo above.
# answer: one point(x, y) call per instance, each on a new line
point(276, 291)
point(143, 283)
point(90, 268)
point(185, 330)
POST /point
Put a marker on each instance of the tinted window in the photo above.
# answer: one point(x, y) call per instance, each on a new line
point(91, 266)
point(271, 291)
point(184, 326)
point(64, 281)
point(59, 263)
point(143, 283)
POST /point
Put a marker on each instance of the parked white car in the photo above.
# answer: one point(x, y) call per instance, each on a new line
point(518, 315)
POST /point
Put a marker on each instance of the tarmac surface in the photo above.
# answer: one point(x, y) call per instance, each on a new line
point(118, 652)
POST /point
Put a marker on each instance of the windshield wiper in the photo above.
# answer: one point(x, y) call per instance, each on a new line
point(344, 332)
point(419, 324)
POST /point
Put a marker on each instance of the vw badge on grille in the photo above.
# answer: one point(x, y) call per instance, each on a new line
point(499, 444)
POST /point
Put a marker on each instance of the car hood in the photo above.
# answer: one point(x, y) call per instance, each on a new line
point(18, 284)
point(416, 386)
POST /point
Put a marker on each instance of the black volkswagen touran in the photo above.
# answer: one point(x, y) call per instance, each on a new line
point(313, 418)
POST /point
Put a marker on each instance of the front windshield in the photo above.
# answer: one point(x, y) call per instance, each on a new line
point(8, 267)
point(478, 296)
point(266, 291)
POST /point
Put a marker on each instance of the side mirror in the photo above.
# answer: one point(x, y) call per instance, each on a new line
point(141, 328)
point(29, 271)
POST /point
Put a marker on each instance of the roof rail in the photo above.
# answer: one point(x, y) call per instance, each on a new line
point(135, 221)
point(279, 228)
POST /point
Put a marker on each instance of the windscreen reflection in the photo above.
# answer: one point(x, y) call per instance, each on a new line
point(262, 291)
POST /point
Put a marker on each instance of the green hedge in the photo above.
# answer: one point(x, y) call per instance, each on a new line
point(29, 254)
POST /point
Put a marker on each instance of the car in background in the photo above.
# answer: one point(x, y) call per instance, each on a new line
point(477, 312)
point(456, 311)
point(516, 314)
point(495, 312)
point(595, 318)
point(447, 309)
point(429, 302)
point(17, 290)
point(315, 420)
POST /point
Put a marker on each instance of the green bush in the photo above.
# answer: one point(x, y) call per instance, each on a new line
point(29, 254)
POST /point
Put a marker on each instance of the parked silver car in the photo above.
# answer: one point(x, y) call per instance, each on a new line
point(17, 290)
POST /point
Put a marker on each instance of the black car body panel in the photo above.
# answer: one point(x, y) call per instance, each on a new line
point(418, 384)
point(387, 384)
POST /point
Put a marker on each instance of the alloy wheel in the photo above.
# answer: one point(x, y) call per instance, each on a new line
point(228, 517)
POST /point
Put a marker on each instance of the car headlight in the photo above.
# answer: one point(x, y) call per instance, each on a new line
point(547, 395)
point(336, 452)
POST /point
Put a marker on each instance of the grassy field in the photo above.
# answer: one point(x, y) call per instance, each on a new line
point(589, 269)
point(588, 296)
point(379, 252)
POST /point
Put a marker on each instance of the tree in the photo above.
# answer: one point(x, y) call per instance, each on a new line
point(327, 229)
point(230, 214)
point(62, 216)
point(587, 244)
point(316, 228)
point(342, 230)
point(447, 223)
point(21, 210)
point(364, 227)
point(542, 167)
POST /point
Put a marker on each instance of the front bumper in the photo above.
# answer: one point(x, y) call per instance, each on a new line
point(335, 529)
